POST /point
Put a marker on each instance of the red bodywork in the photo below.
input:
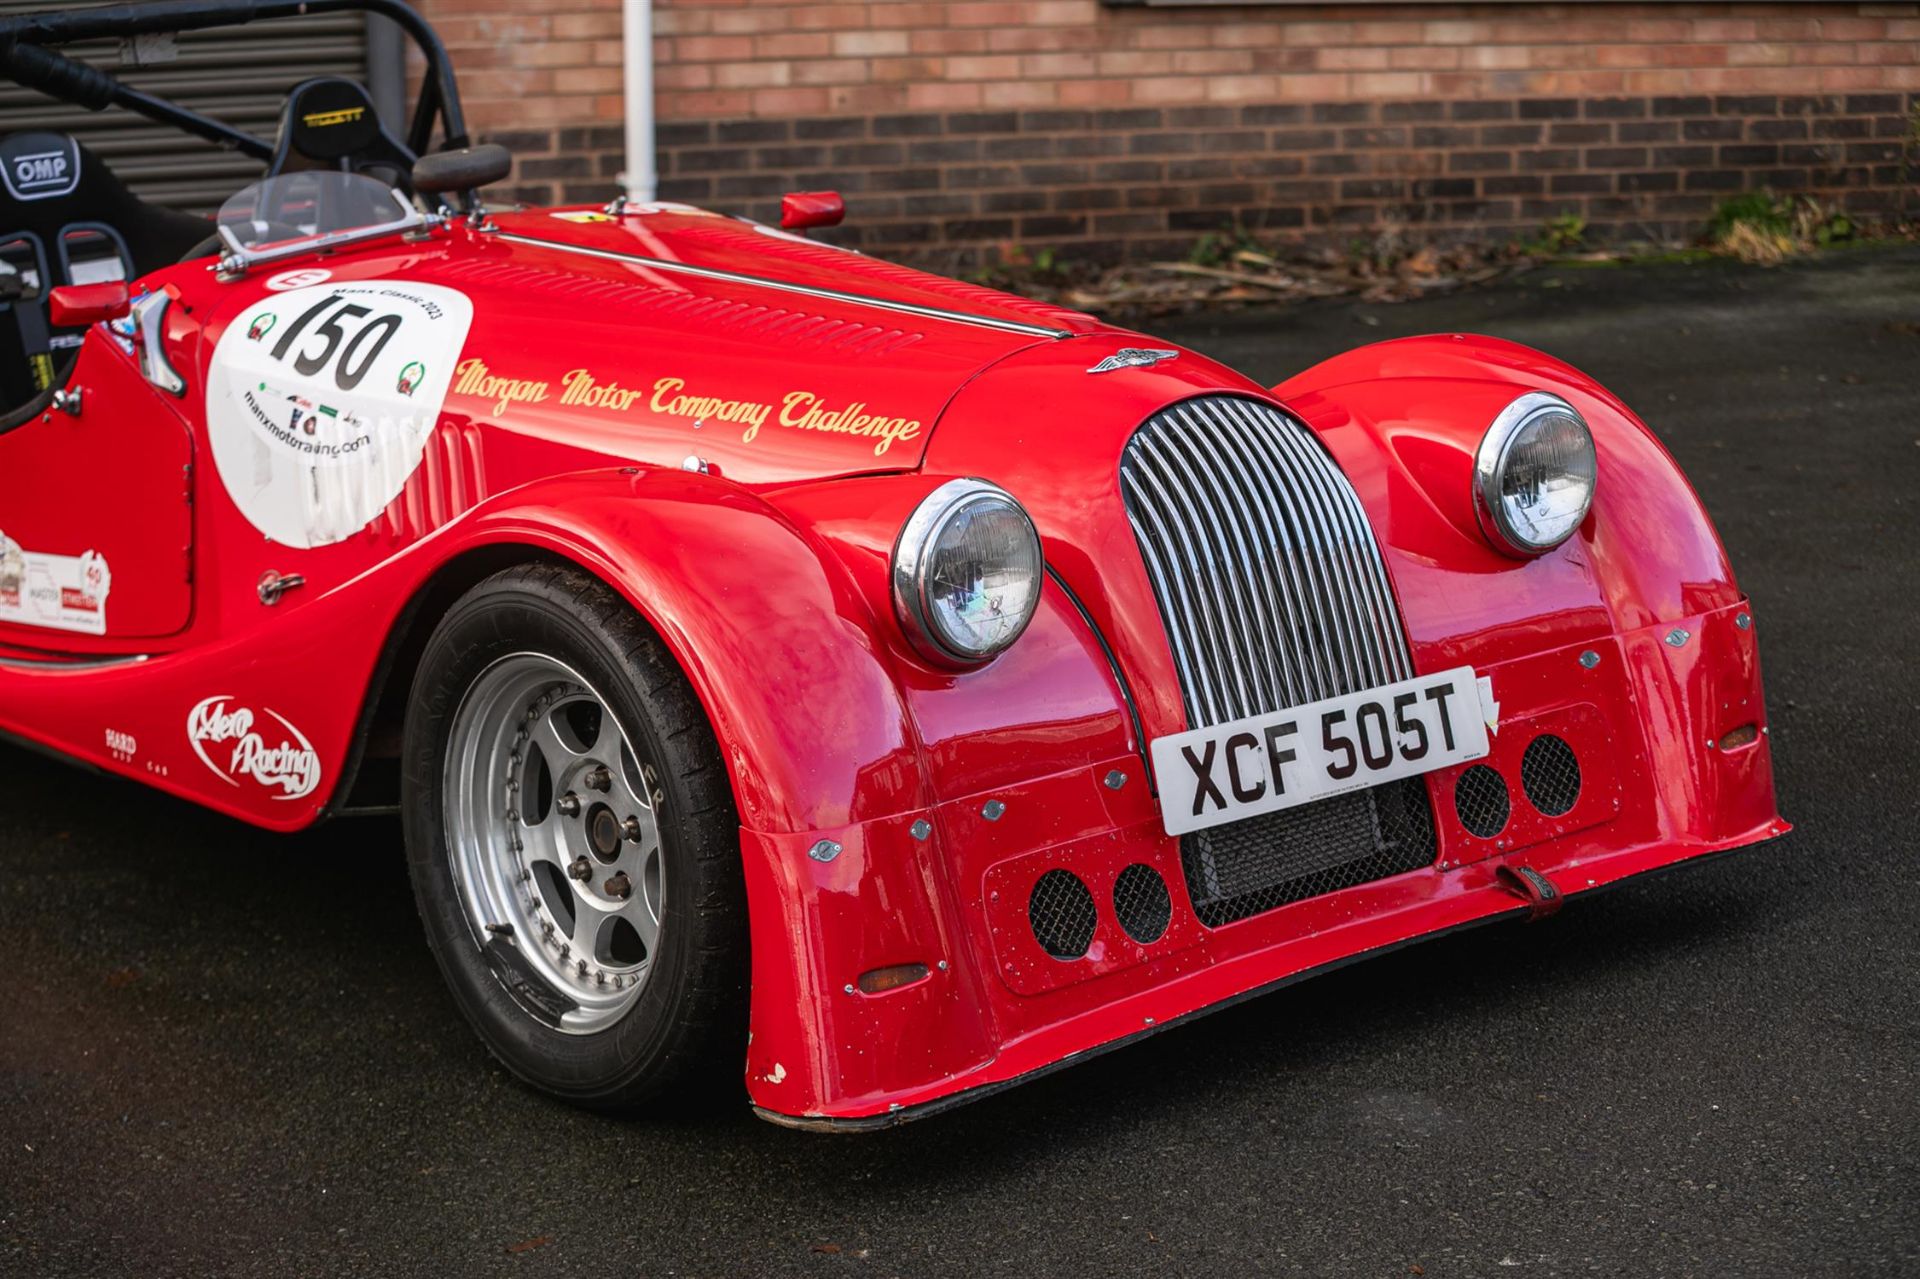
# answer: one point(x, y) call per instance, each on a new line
point(765, 567)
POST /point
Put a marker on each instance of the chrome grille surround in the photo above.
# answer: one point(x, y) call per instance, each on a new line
point(1270, 582)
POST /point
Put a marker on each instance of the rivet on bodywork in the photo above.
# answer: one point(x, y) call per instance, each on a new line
point(1678, 636)
point(921, 829)
point(824, 851)
point(993, 810)
point(1115, 779)
point(848, 988)
point(1743, 620)
point(1589, 659)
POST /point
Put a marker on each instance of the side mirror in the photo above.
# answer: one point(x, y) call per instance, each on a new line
point(74, 306)
point(802, 209)
point(463, 170)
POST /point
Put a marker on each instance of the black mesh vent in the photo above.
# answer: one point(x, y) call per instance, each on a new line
point(1062, 914)
point(1251, 866)
point(1480, 798)
point(1141, 903)
point(1551, 775)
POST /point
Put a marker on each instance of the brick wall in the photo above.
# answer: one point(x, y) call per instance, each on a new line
point(955, 128)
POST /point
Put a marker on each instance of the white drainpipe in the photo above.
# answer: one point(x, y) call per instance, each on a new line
point(636, 31)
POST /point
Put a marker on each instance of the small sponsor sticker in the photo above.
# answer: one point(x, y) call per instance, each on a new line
point(263, 748)
point(60, 592)
point(303, 278)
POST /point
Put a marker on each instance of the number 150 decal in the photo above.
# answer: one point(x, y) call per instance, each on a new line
point(320, 401)
point(361, 350)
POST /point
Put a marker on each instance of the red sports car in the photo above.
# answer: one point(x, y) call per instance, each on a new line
point(881, 686)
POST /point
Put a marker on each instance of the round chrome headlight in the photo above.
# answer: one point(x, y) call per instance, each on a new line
point(1533, 475)
point(966, 572)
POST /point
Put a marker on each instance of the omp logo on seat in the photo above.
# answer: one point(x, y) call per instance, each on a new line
point(38, 172)
point(39, 166)
point(324, 119)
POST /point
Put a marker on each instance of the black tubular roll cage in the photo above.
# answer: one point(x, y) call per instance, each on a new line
point(26, 60)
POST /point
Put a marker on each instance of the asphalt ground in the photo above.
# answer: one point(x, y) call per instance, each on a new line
point(225, 1052)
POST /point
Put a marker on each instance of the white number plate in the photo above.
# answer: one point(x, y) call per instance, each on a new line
point(1260, 765)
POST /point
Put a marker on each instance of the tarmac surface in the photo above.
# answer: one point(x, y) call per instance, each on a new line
point(226, 1052)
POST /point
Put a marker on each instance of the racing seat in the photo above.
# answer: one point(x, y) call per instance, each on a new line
point(330, 123)
point(66, 218)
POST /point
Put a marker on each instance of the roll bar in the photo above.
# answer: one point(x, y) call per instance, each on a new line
point(25, 59)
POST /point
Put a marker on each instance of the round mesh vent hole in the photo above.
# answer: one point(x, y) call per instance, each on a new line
point(1141, 903)
point(1062, 914)
point(1480, 798)
point(1551, 775)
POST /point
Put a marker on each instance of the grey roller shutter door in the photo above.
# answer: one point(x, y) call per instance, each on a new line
point(239, 75)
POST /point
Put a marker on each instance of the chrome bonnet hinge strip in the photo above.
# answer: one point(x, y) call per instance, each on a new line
point(787, 286)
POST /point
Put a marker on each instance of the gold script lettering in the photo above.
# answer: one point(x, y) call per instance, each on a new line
point(750, 413)
point(475, 379)
point(806, 411)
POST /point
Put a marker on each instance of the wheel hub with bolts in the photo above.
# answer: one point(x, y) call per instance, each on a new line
point(555, 834)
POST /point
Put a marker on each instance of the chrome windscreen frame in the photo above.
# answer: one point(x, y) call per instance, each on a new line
point(240, 259)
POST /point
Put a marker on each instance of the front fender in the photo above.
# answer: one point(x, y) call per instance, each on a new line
point(1645, 571)
point(779, 617)
point(1404, 418)
point(776, 640)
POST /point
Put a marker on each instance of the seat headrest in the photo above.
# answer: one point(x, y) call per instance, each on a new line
point(40, 166)
point(329, 118)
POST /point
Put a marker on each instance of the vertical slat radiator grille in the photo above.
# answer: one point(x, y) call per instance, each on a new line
point(1268, 576)
point(1274, 594)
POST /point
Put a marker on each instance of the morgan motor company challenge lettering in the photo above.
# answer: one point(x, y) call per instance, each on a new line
point(669, 397)
point(235, 743)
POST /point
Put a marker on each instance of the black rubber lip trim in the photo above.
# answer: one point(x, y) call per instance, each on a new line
point(939, 1105)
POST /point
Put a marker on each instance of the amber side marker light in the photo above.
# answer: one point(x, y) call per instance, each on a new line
point(1745, 735)
point(884, 979)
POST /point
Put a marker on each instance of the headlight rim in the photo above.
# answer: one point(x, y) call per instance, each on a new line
point(917, 537)
point(1489, 467)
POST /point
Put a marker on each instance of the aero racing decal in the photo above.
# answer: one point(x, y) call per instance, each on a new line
point(321, 399)
point(668, 397)
point(61, 592)
point(226, 739)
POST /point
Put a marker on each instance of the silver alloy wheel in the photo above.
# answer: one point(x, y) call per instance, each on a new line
point(554, 835)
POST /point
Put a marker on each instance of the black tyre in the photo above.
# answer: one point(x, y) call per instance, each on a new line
point(573, 843)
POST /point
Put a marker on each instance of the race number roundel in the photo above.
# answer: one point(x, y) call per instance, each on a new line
point(320, 401)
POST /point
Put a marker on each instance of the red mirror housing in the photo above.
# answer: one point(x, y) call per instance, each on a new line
point(802, 209)
point(73, 306)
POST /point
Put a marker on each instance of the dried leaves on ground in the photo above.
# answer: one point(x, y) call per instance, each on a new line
point(1230, 271)
point(1249, 276)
